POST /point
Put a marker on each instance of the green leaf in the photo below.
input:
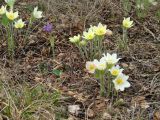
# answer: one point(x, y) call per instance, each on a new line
point(97, 74)
point(56, 72)
point(10, 3)
point(5, 20)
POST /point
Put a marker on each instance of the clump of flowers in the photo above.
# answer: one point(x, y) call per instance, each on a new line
point(109, 73)
point(90, 43)
point(11, 22)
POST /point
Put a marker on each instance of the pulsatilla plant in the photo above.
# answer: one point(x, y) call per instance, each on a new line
point(126, 24)
point(107, 71)
point(9, 19)
point(48, 28)
point(90, 44)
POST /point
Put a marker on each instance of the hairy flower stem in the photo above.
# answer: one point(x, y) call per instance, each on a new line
point(11, 45)
point(85, 51)
point(52, 43)
point(117, 95)
point(100, 45)
point(91, 50)
point(102, 85)
point(95, 44)
point(99, 49)
point(109, 84)
point(125, 39)
point(81, 51)
point(27, 32)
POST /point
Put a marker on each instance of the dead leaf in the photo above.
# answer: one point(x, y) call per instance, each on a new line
point(132, 67)
point(140, 101)
point(70, 93)
point(38, 79)
point(32, 41)
point(91, 113)
point(71, 118)
point(100, 104)
point(1, 117)
point(124, 65)
point(119, 102)
point(156, 115)
point(106, 116)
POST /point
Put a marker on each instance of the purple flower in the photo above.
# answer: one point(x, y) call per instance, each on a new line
point(48, 27)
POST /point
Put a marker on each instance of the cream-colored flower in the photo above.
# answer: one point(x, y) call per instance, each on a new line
point(115, 70)
point(90, 66)
point(100, 29)
point(37, 14)
point(127, 23)
point(89, 35)
point(2, 10)
point(100, 65)
point(110, 59)
point(75, 39)
point(121, 82)
point(12, 15)
point(19, 24)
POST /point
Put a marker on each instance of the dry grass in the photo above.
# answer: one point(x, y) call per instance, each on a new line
point(79, 13)
point(20, 100)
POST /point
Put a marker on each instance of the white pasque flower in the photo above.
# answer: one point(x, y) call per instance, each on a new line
point(2, 10)
point(100, 29)
point(19, 24)
point(121, 82)
point(110, 59)
point(12, 15)
point(89, 35)
point(90, 66)
point(75, 39)
point(115, 70)
point(127, 23)
point(37, 14)
point(100, 65)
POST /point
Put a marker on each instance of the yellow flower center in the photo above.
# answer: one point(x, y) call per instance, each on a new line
point(92, 67)
point(115, 72)
point(90, 36)
point(11, 16)
point(110, 61)
point(126, 24)
point(100, 31)
point(119, 81)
